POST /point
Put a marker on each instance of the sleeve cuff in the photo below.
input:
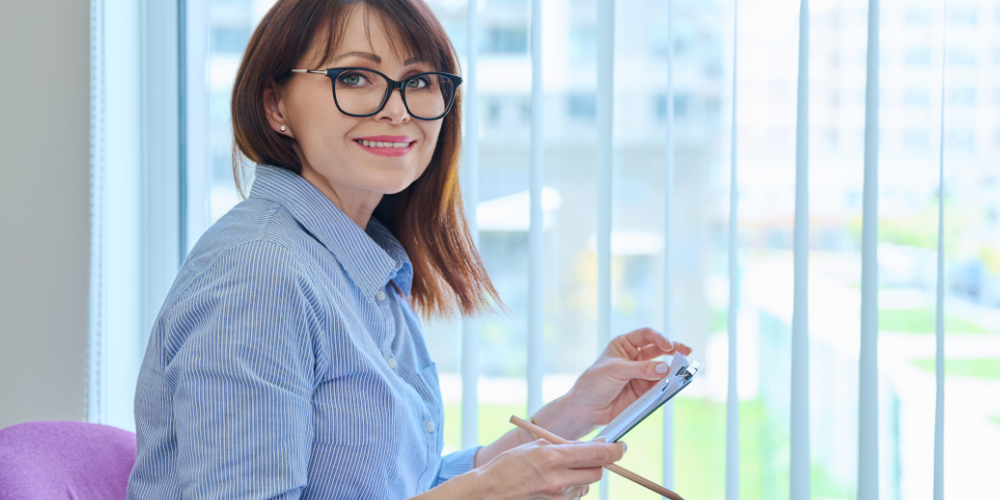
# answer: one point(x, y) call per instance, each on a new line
point(456, 464)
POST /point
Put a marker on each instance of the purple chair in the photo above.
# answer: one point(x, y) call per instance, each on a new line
point(74, 460)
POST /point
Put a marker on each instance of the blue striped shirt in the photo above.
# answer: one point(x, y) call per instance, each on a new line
point(287, 363)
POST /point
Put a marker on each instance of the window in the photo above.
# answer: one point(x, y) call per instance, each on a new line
point(680, 106)
point(505, 41)
point(965, 16)
point(962, 141)
point(511, 111)
point(918, 56)
point(230, 40)
point(582, 106)
point(582, 44)
point(916, 97)
point(962, 57)
point(916, 138)
point(962, 97)
point(916, 16)
point(765, 161)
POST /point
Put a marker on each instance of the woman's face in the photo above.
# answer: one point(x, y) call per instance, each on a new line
point(329, 143)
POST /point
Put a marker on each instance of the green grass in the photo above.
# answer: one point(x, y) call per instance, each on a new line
point(988, 368)
point(922, 321)
point(700, 434)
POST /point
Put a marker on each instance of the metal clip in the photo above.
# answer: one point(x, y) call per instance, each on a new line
point(689, 371)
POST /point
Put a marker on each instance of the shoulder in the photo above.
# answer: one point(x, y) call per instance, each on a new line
point(256, 248)
point(250, 293)
point(252, 221)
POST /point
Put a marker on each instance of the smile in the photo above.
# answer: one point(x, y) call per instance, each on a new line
point(380, 144)
point(386, 148)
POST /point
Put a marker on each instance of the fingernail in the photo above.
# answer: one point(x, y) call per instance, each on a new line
point(662, 368)
point(624, 447)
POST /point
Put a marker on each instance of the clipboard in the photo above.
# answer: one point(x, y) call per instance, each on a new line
point(680, 375)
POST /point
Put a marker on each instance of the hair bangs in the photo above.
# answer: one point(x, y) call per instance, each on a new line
point(411, 32)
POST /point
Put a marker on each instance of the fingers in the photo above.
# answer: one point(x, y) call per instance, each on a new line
point(591, 455)
point(643, 370)
point(682, 348)
point(582, 477)
point(645, 344)
point(564, 470)
point(577, 492)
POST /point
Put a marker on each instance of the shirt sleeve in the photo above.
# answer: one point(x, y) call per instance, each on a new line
point(456, 464)
point(243, 376)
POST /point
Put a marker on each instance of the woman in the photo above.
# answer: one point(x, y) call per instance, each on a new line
point(287, 360)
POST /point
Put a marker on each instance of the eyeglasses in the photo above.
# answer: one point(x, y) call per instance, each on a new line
point(363, 92)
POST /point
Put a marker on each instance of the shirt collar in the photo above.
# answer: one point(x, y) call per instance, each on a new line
point(371, 258)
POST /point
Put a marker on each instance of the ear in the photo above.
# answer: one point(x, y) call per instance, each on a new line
point(274, 108)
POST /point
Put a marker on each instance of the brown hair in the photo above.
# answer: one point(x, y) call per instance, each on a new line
point(427, 217)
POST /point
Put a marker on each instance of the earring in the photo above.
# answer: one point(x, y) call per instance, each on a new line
point(283, 128)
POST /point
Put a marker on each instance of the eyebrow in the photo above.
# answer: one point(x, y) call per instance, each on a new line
point(374, 58)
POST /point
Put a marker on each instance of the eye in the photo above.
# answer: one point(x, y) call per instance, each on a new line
point(417, 83)
point(353, 79)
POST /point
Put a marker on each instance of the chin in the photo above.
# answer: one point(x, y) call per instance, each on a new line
point(394, 181)
point(392, 186)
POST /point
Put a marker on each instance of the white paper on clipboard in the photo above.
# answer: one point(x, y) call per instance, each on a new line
point(680, 375)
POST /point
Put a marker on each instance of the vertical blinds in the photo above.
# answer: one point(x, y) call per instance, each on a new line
point(732, 396)
point(868, 357)
point(470, 333)
point(668, 249)
point(868, 452)
point(939, 302)
point(536, 231)
point(605, 158)
point(799, 418)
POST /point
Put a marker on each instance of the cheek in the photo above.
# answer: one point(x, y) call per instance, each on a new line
point(319, 126)
point(431, 136)
point(323, 134)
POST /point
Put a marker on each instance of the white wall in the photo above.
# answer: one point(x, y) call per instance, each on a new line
point(44, 209)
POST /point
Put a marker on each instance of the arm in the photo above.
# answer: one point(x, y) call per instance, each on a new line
point(625, 371)
point(243, 376)
point(536, 470)
point(514, 466)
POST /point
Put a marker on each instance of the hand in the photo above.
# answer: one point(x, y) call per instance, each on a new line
point(625, 371)
point(543, 471)
point(620, 375)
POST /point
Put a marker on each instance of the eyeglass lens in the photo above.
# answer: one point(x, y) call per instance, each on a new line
point(360, 92)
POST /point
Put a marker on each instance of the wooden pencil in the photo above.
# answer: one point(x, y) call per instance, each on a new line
point(621, 471)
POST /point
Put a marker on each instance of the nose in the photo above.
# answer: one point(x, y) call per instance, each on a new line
point(395, 110)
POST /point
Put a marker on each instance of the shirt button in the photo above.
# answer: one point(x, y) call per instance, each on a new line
point(391, 362)
point(380, 295)
point(429, 426)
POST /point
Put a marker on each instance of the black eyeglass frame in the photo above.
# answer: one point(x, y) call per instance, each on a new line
point(391, 85)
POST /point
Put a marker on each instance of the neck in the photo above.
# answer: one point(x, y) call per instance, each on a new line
point(355, 203)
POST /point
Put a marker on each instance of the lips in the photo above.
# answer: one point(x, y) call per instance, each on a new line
point(386, 145)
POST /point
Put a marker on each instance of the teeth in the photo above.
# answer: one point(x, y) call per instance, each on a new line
point(380, 144)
